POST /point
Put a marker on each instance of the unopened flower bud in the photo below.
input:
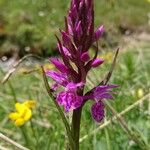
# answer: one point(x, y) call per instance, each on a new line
point(97, 62)
point(85, 57)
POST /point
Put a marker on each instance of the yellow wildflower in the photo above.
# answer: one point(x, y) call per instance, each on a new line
point(48, 66)
point(30, 103)
point(140, 93)
point(108, 56)
point(23, 112)
point(23, 70)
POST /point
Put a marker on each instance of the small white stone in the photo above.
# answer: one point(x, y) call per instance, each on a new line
point(41, 13)
point(4, 58)
point(27, 49)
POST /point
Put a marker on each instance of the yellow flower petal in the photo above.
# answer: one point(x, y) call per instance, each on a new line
point(107, 57)
point(19, 108)
point(27, 115)
point(48, 66)
point(140, 93)
point(30, 103)
point(23, 112)
point(14, 116)
point(23, 70)
point(19, 122)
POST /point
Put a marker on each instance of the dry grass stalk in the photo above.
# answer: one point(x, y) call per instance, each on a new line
point(10, 141)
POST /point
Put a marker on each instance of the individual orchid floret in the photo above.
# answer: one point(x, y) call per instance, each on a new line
point(99, 94)
point(70, 98)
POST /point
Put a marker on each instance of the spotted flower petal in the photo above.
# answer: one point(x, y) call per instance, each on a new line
point(70, 100)
point(73, 86)
point(97, 110)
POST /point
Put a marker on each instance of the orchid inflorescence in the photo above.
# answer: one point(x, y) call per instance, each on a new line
point(76, 40)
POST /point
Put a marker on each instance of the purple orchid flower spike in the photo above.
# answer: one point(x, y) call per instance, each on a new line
point(77, 38)
point(75, 63)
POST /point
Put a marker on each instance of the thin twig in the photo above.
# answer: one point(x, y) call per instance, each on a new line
point(15, 65)
point(3, 148)
point(7, 131)
point(116, 117)
point(108, 76)
point(10, 141)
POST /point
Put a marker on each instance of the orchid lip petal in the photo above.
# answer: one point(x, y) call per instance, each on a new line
point(97, 110)
point(70, 100)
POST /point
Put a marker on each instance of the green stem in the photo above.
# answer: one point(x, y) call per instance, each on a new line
point(11, 88)
point(107, 139)
point(34, 134)
point(12, 91)
point(50, 93)
point(26, 138)
point(76, 119)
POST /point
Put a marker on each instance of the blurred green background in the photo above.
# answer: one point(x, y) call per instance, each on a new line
point(29, 26)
